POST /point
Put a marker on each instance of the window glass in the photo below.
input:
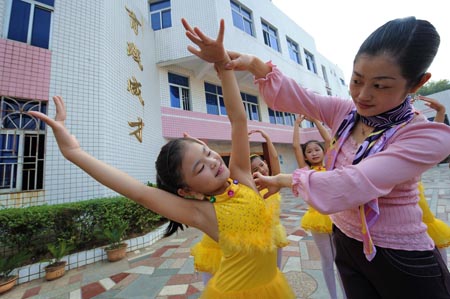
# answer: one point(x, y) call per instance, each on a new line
point(40, 36)
point(211, 104)
point(19, 20)
point(242, 18)
point(36, 33)
point(160, 15)
point(174, 97)
point(156, 21)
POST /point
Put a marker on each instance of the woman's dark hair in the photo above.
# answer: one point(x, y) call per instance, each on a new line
point(168, 173)
point(412, 43)
point(308, 143)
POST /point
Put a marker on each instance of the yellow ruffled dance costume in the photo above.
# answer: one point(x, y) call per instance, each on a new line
point(313, 221)
point(274, 201)
point(438, 230)
point(207, 254)
point(248, 266)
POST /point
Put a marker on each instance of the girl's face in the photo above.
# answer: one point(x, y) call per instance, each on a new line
point(314, 154)
point(203, 170)
point(258, 165)
point(377, 85)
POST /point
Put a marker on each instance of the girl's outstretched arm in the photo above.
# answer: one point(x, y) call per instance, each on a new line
point(298, 152)
point(213, 51)
point(159, 201)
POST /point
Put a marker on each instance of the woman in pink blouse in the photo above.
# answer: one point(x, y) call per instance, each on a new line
point(379, 151)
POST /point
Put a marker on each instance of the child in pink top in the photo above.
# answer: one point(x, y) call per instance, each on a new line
point(379, 151)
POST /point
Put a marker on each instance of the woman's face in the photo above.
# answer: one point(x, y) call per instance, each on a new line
point(377, 85)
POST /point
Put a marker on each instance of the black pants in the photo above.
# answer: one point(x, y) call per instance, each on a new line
point(392, 273)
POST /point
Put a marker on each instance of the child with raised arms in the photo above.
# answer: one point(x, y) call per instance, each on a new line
point(224, 202)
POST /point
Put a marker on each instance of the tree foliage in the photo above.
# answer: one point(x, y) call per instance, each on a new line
point(434, 87)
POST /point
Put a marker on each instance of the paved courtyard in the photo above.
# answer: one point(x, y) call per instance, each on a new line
point(165, 270)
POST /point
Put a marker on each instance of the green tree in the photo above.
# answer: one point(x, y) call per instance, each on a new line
point(434, 87)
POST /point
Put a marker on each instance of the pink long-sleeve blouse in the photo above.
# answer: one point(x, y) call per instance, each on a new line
point(391, 175)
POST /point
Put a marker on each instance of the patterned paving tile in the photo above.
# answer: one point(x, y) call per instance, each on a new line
point(92, 290)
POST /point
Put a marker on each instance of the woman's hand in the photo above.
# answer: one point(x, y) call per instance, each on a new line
point(266, 182)
point(67, 143)
point(239, 61)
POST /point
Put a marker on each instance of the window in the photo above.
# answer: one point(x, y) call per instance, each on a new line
point(270, 36)
point(294, 53)
point(160, 15)
point(242, 18)
point(179, 92)
point(30, 22)
point(251, 106)
point(281, 118)
point(310, 63)
point(214, 100)
point(22, 146)
point(325, 76)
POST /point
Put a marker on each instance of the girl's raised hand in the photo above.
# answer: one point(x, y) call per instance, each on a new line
point(432, 103)
point(211, 50)
point(67, 143)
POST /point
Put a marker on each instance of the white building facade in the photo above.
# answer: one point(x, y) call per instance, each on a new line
point(130, 85)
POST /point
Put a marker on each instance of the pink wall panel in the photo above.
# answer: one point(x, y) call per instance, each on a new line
point(214, 127)
point(24, 70)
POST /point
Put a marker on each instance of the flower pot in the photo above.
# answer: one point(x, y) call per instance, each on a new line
point(8, 283)
point(55, 270)
point(117, 254)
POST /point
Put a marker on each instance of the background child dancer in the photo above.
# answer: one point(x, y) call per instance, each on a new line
point(438, 230)
point(248, 269)
point(258, 164)
point(311, 155)
point(207, 254)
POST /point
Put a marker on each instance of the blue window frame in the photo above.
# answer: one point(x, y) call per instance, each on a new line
point(179, 92)
point(270, 36)
point(251, 106)
point(242, 17)
point(22, 145)
point(281, 118)
point(294, 53)
point(310, 62)
point(214, 100)
point(160, 14)
point(30, 22)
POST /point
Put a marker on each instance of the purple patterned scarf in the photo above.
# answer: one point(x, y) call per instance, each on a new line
point(385, 125)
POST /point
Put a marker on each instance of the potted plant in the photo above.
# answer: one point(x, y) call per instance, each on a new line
point(114, 233)
point(7, 265)
point(57, 267)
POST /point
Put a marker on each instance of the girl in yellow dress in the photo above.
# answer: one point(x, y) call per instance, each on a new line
point(258, 164)
point(230, 211)
point(311, 155)
point(438, 230)
point(207, 254)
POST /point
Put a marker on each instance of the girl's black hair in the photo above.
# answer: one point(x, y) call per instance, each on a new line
point(169, 176)
point(412, 43)
point(308, 143)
